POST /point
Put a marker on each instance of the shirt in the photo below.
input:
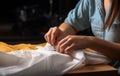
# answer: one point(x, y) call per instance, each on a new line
point(90, 13)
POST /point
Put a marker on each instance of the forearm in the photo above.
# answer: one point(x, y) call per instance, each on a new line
point(109, 49)
point(67, 29)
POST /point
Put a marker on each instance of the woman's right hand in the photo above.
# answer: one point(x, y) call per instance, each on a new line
point(54, 35)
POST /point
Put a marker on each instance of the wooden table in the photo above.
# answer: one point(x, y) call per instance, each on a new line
point(94, 70)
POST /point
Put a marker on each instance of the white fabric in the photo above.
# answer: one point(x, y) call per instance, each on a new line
point(45, 62)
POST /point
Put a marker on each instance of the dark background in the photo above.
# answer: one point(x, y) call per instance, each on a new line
point(26, 21)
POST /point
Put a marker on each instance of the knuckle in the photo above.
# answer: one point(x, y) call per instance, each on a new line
point(55, 27)
point(70, 39)
point(47, 35)
point(61, 47)
point(54, 33)
point(50, 28)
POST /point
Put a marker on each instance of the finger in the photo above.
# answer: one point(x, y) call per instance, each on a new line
point(48, 36)
point(64, 43)
point(58, 40)
point(45, 36)
point(60, 43)
point(69, 49)
point(54, 35)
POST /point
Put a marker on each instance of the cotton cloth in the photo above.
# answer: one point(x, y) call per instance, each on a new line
point(45, 61)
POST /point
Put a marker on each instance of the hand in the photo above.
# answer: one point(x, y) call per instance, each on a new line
point(73, 42)
point(54, 35)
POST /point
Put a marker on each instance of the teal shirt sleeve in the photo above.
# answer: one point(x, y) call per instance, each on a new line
point(78, 17)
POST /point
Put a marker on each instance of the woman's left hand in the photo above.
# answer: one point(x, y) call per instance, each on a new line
point(72, 42)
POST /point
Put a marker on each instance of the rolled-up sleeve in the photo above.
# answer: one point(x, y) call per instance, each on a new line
point(78, 17)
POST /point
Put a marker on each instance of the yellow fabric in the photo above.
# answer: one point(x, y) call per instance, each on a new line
point(4, 47)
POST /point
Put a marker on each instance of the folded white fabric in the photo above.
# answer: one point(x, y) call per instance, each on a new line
point(45, 62)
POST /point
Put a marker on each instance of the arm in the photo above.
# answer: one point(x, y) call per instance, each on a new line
point(73, 42)
point(109, 49)
point(67, 29)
